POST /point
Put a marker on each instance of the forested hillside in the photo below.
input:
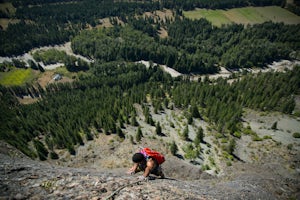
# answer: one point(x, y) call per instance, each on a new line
point(192, 46)
point(103, 101)
point(101, 98)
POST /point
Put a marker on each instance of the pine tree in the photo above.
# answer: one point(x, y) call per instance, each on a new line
point(158, 129)
point(139, 135)
point(120, 132)
point(185, 134)
point(131, 139)
point(41, 149)
point(173, 148)
point(133, 121)
point(199, 136)
point(195, 112)
point(190, 119)
point(274, 126)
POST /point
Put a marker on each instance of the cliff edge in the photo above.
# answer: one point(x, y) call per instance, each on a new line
point(23, 178)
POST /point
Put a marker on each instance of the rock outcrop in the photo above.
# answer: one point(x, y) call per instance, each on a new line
point(23, 178)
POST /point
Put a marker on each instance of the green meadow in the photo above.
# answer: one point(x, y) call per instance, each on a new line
point(246, 15)
point(216, 17)
point(7, 8)
point(16, 77)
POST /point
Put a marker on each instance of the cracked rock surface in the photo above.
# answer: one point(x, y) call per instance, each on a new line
point(23, 178)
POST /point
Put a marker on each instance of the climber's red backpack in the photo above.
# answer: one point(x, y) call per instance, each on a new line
point(154, 154)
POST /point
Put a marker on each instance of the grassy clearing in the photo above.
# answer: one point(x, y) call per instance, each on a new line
point(4, 22)
point(65, 72)
point(16, 77)
point(246, 15)
point(278, 14)
point(10, 10)
point(216, 17)
point(7, 8)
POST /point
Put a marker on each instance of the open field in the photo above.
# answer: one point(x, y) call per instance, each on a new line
point(10, 10)
point(279, 14)
point(7, 8)
point(4, 22)
point(16, 77)
point(216, 17)
point(246, 15)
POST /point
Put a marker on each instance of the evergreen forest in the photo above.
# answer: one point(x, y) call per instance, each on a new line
point(101, 99)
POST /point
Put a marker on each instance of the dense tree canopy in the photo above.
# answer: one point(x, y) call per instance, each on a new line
point(47, 22)
point(233, 46)
point(101, 100)
point(193, 46)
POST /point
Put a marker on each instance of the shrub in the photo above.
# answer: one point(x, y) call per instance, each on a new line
point(256, 138)
point(172, 125)
point(71, 149)
point(267, 137)
point(190, 152)
point(297, 114)
point(237, 134)
point(227, 156)
point(224, 140)
point(212, 161)
point(296, 135)
point(205, 167)
point(219, 135)
point(290, 146)
point(228, 163)
point(249, 131)
point(53, 155)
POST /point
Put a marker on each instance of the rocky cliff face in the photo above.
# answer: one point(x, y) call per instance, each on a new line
point(23, 178)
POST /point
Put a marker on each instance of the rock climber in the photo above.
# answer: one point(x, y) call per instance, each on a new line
point(149, 162)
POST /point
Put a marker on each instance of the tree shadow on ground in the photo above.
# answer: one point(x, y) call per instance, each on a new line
point(179, 156)
point(194, 162)
point(162, 135)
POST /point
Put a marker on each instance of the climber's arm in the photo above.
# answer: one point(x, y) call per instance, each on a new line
point(149, 166)
point(133, 169)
